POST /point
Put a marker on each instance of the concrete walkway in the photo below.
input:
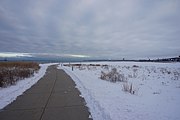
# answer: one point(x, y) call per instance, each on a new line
point(54, 97)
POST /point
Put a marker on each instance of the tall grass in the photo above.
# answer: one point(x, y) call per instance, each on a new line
point(11, 72)
point(128, 88)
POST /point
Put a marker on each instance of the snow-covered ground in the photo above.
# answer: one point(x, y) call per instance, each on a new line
point(156, 89)
point(9, 94)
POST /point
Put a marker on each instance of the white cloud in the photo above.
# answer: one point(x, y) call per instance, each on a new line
point(90, 27)
point(10, 54)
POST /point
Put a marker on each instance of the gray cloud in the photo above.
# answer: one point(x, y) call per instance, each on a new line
point(111, 29)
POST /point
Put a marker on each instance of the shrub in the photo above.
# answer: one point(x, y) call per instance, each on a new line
point(11, 72)
point(135, 66)
point(113, 76)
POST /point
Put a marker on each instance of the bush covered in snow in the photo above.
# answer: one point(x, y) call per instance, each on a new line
point(113, 76)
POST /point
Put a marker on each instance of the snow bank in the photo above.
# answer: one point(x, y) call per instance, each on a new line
point(96, 111)
point(157, 87)
point(9, 94)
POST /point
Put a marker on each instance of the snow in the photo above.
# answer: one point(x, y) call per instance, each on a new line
point(156, 87)
point(9, 94)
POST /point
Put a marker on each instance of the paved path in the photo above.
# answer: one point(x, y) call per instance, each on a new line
point(54, 97)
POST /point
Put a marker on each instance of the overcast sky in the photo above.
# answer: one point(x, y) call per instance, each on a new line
point(103, 28)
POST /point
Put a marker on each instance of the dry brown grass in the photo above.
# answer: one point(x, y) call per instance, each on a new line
point(11, 72)
point(77, 65)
